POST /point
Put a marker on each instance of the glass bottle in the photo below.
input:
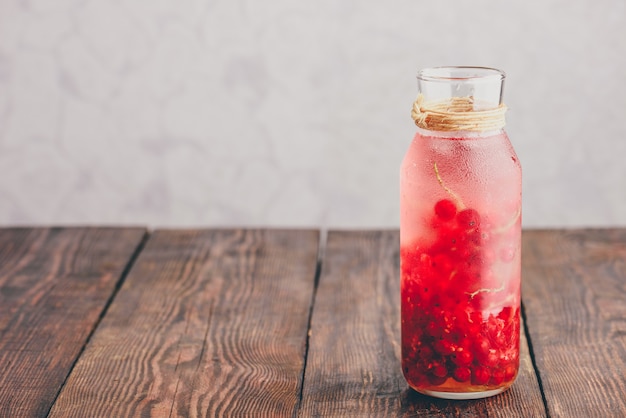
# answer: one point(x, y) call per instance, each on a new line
point(460, 238)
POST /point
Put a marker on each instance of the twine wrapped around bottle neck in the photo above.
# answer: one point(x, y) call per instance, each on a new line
point(456, 114)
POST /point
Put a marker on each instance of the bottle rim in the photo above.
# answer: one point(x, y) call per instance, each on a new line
point(461, 74)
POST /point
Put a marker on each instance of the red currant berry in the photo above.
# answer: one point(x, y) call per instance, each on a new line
point(480, 375)
point(468, 219)
point(482, 349)
point(414, 376)
point(492, 358)
point(462, 357)
point(497, 377)
point(440, 370)
point(509, 372)
point(436, 380)
point(445, 209)
point(462, 374)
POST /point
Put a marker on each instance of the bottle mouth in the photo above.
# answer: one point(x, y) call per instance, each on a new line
point(459, 98)
point(483, 85)
point(461, 74)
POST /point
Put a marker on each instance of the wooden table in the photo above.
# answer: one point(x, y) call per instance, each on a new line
point(116, 322)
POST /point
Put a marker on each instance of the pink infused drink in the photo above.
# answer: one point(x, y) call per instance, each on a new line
point(460, 234)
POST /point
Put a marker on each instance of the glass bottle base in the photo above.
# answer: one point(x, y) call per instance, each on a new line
point(462, 395)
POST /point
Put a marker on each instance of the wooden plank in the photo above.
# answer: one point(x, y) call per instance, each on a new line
point(353, 365)
point(54, 285)
point(208, 323)
point(575, 299)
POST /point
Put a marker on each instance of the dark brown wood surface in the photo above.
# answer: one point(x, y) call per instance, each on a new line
point(54, 285)
point(353, 365)
point(248, 322)
point(353, 361)
point(208, 323)
point(574, 292)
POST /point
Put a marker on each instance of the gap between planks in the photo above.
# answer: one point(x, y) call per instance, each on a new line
point(321, 250)
point(118, 285)
point(531, 353)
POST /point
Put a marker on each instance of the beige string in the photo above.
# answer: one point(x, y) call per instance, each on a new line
point(456, 114)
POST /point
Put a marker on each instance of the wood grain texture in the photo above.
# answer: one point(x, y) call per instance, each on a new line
point(54, 285)
point(353, 364)
point(574, 289)
point(208, 323)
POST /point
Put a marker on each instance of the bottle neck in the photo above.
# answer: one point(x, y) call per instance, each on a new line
point(459, 99)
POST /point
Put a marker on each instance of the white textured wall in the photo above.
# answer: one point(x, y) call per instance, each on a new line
point(292, 113)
